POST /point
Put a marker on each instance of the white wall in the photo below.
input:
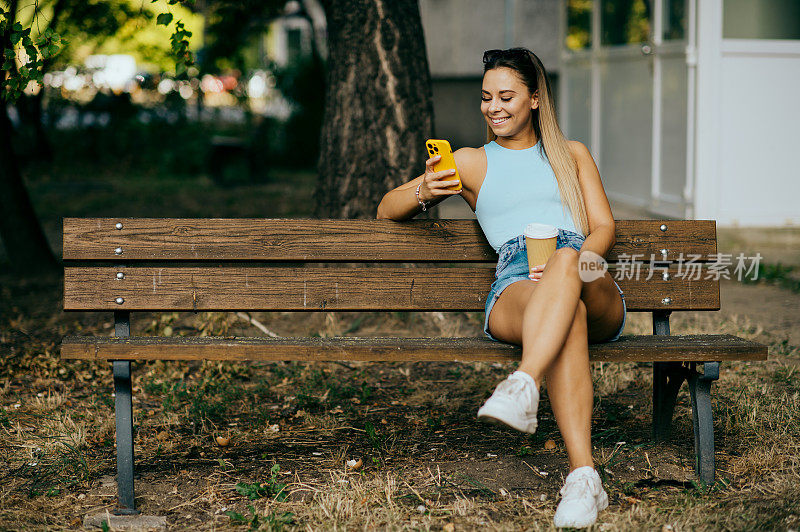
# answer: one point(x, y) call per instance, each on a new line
point(458, 31)
point(759, 169)
point(748, 127)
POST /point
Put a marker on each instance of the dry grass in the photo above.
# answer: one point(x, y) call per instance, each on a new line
point(425, 463)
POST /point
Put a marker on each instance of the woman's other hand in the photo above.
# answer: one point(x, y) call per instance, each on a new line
point(536, 273)
point(434, 184)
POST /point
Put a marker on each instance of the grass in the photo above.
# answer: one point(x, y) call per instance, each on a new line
point(785, 276)
point(291, 428)
point(426, 462)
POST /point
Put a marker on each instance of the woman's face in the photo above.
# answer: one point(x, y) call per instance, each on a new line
point(506, 103)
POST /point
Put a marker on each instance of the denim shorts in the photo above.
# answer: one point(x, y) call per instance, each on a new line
point(512, 266)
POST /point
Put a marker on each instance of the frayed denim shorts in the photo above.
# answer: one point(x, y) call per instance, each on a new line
point(512, 266)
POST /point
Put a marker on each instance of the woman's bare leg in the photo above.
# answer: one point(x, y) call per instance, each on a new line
point(547, 312)
point(554, 344)
point(569, 386)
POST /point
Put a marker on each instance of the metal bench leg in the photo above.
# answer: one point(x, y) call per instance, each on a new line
point(123, 409)
point(700, 389)
point(667, 380)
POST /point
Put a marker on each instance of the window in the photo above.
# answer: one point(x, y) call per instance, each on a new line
point(625, 21)
point(579, 24)
point(761, 19)
point(674, 16)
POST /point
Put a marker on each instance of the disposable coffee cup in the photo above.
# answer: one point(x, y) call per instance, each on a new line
point(540, 239)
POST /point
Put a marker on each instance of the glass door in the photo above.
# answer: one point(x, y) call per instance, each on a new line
point(625, 96)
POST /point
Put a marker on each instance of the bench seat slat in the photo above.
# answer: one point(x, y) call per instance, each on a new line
point(334, 289)
point(645, 348)
point(294, 240)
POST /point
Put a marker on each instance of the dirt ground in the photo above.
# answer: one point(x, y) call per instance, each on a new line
point(425, 461)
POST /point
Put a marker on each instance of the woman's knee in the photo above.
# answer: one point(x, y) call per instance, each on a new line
point(564, 259)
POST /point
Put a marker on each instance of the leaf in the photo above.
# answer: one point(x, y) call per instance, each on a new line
point(235, 516)
point(164, 19)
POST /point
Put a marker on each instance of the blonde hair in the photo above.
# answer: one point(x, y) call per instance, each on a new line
point(545, 125)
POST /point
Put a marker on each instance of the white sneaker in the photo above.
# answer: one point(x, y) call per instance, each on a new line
point(582, 497)
point(513, 403)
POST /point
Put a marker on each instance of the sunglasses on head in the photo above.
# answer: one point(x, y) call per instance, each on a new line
point(512, 53)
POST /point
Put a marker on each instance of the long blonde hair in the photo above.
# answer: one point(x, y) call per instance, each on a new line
point(545, 125)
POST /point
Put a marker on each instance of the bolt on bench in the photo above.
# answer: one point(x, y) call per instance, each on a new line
point(143, 264)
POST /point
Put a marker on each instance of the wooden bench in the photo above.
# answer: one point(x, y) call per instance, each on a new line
point(128, 265)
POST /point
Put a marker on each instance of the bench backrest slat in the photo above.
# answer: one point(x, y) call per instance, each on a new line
point(311, 265)
point(338, 288)
point(294, 240)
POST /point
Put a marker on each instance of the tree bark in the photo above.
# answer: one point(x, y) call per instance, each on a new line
point(29, 108)
point(378, 105)
point(20, 231)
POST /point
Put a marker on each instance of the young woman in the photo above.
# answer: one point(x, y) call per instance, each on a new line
point(528, 172)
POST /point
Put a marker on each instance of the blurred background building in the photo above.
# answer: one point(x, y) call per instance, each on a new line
point(688, 106)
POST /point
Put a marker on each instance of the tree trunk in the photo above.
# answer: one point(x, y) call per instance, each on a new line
point(29, 108)
point(20, 231)
point(378, 105)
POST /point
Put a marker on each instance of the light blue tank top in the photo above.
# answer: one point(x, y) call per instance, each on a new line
point(519, 188)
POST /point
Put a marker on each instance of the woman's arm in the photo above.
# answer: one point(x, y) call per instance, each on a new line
point(401, 203)
point(601, 237)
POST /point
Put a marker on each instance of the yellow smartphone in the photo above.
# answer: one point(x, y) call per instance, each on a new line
point(442, 147)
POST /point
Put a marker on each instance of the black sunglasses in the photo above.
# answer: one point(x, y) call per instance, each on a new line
point(512, 53)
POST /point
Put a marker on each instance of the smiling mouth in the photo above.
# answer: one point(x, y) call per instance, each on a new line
point(498, 121)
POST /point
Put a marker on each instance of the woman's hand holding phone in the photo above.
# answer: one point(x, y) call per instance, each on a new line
point(435, 184)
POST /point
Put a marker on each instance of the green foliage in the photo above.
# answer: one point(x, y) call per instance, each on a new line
point(779, 274)
point(273, 521)
point(164, 19)
point(276, 521)
point(140, 136)
point(29, 51)
point(271, 488)
point(204, 400)
point(179, 40)
point(320, 388)
point(180, 48)
point(233, 27)
point(88, 23)
point(373, 436)
point(240, 519)
point(54, 467)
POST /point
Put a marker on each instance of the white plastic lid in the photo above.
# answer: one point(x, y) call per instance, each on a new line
point(540, 231)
